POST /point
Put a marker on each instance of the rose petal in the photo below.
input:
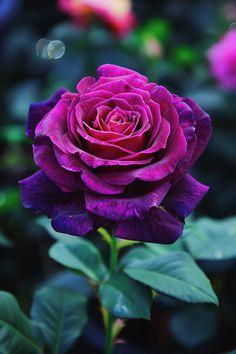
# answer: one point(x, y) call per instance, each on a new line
point(125, 208)
point(156, 171)
point(84, 84)
point(95, 161)
point(184, 196)
point(158, 226)
point(91, 180)
point(203, 128)
point(38, 110)
point(54, 125)
point(111, 70)
point(72, 218)
point(39, 193)
point(67, 210)
point(45, 159)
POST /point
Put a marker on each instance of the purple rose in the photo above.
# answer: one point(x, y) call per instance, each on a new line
point(116, 153)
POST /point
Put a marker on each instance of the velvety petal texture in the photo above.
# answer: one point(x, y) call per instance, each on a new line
point(117, 152)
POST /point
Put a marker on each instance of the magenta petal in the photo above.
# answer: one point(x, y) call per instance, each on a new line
point(111, 70)
point(84, 84)
point(125, 208)
point(90, 179)
point(184, 196)
point(203, 128)
point(158, 226)
point(54, 124)
point(161, 95)
point(45, 158)
point(38, 110)
point(156, 171)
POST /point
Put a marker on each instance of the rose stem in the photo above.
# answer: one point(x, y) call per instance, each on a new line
point(110, 317)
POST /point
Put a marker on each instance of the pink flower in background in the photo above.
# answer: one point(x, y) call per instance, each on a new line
point(117, 14)
point(222, 58)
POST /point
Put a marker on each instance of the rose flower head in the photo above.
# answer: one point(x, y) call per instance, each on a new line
point(116, 14)
point(222, 59)
point(116, 154)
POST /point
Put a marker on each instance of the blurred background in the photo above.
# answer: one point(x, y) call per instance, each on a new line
point(170, 42)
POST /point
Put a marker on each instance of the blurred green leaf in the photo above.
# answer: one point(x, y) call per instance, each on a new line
point(156, 27)
point(192, 333)
point(4, 241)
point(17, 333)
point(175, 274)
point(9, 199)
point(184, 55)
point(126, 298)
point(13, 134)
point(80, 255)
point(212, 239)
point(61, 315)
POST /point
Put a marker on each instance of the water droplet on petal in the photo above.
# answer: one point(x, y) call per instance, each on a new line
point(218, 254)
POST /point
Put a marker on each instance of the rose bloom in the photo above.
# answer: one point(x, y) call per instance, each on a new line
point(116, 154)
point(222, 59)
point(117, 14)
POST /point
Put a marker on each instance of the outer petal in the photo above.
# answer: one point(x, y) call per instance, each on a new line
point(158, 226)
point(203, 128)
point(72, 218)
point(67, 210)
point(38, 110)
point(54, 125)
point(111, 70)
point(184, 196)
point(39, 193)
point(125, 208)
point(84, 84)
point(44, 158)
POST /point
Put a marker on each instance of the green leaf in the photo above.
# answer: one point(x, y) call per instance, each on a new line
point(175, 275)
point(126, 298)
point(80, 255)
point(212, 239)
point(137, 254)
point(4, 241)
point(160, 249)
point(62, 316)
point(17, 333)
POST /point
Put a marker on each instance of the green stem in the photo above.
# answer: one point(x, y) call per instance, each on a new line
point(109, 339)
point(110, 317)
point(113, 255)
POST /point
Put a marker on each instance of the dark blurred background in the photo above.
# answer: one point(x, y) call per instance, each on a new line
point(169, 45)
